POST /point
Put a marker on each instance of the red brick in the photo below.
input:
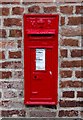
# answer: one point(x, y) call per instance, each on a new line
point(72, 103)
point(17, 2)
point(79, 9)
point(9, 2)
point(27, 2)
point(15, 54)
point(12, 85)
point(2, 33)
point(66, 73)
point(11, 44)
point(62, 21)
point(15, 33)
point(19, 42)
point(76, 53)
point(70, 64)
point(82, 42)
point(63, 53)
point(0, 94)
point(22, 113)
point(17, 10)
point(71, 31)
point(74, 84)
point(24, 2)
point(12, 21)
point(18, 75)
point(71, 113)
point(9, 94)
point(3, 44)
point(6, 103)
point(78, 84)
point(8, 44)
point(69, 42)
point(79, 74)
point(75, 20)
point(80, 94)
point(68, 94)
point(20, 94)
point(34, 9)
point(50, 9)
point(11, 65)
point(5, 11)
point(11, 104)
point(0, 82)
point(5, 75)
point(10, 113)
point(66, 9)
point(0, 22)
point(2, 55)
point(81, 113)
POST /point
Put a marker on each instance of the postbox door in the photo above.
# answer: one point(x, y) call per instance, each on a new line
point(43, 81)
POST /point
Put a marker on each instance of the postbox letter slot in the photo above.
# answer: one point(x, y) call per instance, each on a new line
point(41, 36)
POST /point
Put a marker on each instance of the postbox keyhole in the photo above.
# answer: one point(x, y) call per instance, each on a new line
point(35, 76)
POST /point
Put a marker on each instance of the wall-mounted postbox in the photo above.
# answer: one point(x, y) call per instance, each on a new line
point(40, 59)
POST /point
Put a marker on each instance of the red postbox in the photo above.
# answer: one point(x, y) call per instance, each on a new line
point(40, 59)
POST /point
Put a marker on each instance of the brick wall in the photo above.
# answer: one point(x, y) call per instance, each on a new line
point(11, 58)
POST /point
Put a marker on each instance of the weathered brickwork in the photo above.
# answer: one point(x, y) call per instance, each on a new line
point(70, 94)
